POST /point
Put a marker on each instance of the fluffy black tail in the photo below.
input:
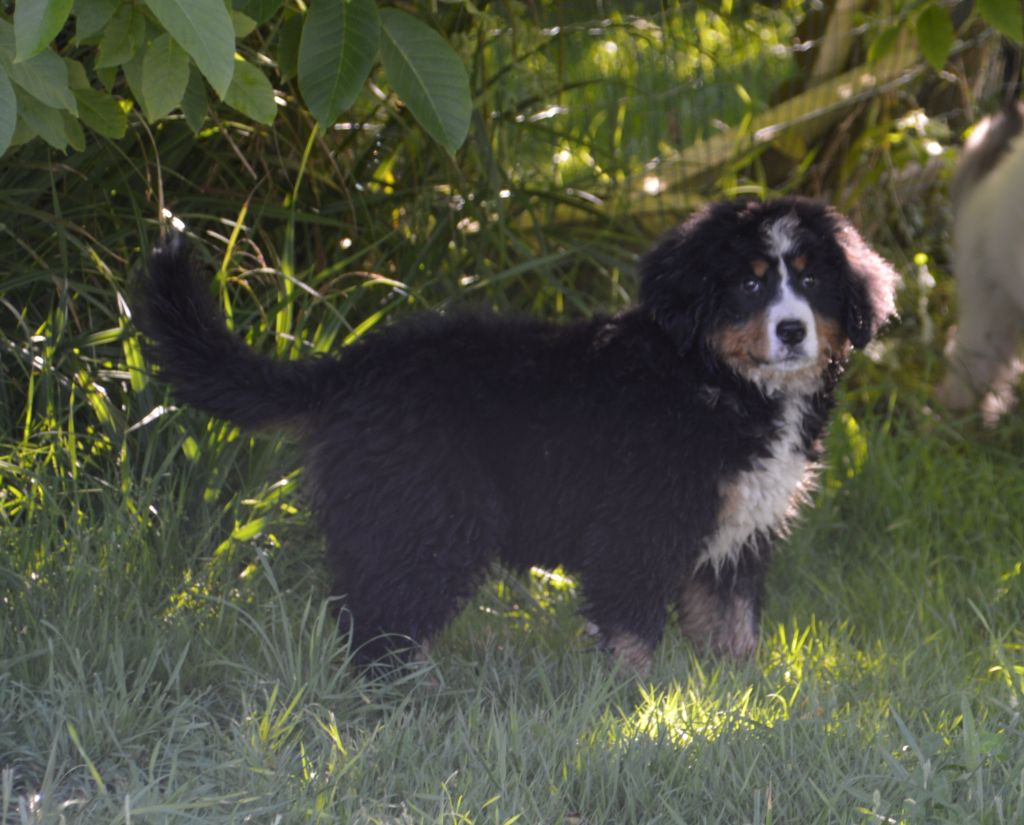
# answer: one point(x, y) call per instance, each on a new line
point(208, 366)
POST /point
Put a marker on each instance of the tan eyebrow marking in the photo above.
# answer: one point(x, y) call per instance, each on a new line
point(760, 267)
point(800, 263)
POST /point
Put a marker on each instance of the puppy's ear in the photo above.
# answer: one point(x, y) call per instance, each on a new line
point(674, 287)
point(870, 286)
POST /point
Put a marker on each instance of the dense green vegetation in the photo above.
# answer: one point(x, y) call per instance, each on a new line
point(166, 654)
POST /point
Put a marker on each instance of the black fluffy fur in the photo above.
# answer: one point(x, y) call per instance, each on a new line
point(439, 445)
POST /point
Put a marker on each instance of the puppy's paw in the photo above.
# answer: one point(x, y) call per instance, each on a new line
point(627, 650)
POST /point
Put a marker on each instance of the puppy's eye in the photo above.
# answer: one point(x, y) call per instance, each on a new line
point(751, 285)
point(808, 281)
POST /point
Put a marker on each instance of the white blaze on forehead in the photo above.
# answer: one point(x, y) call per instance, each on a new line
point(780, 235)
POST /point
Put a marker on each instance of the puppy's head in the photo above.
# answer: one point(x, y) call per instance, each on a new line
point(774, 290)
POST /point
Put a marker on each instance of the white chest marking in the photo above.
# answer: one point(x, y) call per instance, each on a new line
point(764, 497)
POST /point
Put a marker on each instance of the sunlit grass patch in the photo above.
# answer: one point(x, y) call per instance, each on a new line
point(808, 674)
point(697, 712)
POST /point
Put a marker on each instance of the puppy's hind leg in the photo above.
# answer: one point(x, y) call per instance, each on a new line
point(989, 323)
point(395, 610)
point(981, 358)
point(404, 568)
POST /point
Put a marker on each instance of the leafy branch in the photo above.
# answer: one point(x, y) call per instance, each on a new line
point(69, 64)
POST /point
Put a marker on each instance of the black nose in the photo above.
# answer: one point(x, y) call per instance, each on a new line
point(791, 332)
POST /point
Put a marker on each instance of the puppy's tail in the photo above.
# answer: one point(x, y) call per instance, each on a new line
point(207, 365)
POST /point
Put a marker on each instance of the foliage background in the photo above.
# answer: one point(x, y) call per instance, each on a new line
point(165, 654)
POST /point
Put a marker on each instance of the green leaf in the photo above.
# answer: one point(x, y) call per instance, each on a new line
point(935, 35)
point(107, 76)
point(122, 37)
point(36, 23)
point(203, 29)
point(242, 24)
point(74, 131)
point(22, 133)
point(6, 42)
point(91, 16)
point(259, 10)
point(336, 52)
point(45, 121)
point(428, 76)
point(883, 45)
point(78, 78)
point(45, 77)
point(194, 104)
point(165, 70)
point(288, 47)
point(8, 111)
point(252, 94)
point(1005, 16)
point(102, 113)
point(133, 74)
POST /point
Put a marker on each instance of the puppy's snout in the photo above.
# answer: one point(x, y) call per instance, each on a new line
point(791, 331)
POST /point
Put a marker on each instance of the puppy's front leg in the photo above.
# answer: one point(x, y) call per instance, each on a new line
point(721, 610)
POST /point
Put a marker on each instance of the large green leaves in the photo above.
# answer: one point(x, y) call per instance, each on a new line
point(162, 47)
point(336, 53)
point(35, 97)
point(44, 77)
point(428, 76)
point(202, 28)
point(339, 45)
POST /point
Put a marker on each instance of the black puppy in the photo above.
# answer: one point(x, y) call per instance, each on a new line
point(655, 454)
